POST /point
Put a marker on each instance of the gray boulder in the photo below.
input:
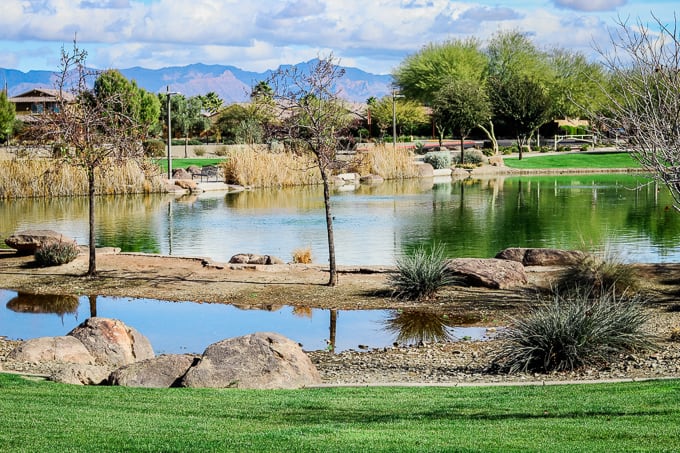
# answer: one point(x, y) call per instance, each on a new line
point(80, 374)
point(181, 173)
point(52, 349)
point(490, 273)
point(160, 372)
point(256, 361)
point(542, 256)
point(28, 241)
point(250, 258)
point(425, 170)
point(112, 343)
point(372, 179)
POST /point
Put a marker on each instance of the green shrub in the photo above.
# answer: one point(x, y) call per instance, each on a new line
point(438, 159)
point(154, 148)
point(603, 274)
point(419, 148)
point(471, 157)
point(56, 254)
point(574, 331)
point(421, 273)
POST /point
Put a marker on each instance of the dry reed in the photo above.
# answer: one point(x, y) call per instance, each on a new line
point(25, 178)
point(302, 255)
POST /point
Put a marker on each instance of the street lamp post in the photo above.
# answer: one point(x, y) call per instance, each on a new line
point(169, 94)
point(395, 95)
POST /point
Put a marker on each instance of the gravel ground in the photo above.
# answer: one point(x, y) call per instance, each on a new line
point(460, 362)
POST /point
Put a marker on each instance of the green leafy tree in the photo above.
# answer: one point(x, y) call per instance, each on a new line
point(314, 116)
point(421, 75)
point(140, 105)
point(211, 102)
point(7, 117)
point(409, 114)
point(522, 104)
point(99, 129)
point(461, 105)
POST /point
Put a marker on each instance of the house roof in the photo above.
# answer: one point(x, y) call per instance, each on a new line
point(41, 95)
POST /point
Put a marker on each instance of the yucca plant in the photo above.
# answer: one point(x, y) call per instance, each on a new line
point(421, 273)
point(56, 254)
point(575, 330)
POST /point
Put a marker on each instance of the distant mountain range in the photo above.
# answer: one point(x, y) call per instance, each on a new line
point(230, 83)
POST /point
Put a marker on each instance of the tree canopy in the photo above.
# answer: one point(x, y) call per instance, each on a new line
point(7, 117)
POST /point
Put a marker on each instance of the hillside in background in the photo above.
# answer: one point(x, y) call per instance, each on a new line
point(230, 83)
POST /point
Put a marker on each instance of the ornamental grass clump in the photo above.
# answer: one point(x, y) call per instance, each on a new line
point(603, 274)
point(438, 159)
point(573, 331)
point(421, 273)
point(56, 254)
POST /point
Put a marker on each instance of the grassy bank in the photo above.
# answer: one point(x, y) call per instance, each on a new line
point(43, 416)
point(573, 160)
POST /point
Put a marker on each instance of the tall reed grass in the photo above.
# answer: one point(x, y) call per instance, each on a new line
point(260, 168)
point(23, 178)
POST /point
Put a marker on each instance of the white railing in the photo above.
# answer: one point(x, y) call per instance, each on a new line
point(592, 139)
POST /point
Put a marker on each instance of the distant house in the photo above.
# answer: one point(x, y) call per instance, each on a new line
point(38, 101)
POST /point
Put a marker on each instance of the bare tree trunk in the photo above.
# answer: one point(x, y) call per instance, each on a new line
point(462, 150)
point(520, 145)
point(333, 277)
point(491, 134)
point(92, 267)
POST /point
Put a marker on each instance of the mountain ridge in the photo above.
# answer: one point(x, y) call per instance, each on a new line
point(231, 83)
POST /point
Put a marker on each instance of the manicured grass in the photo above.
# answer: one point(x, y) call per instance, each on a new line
point(573, 160)
point(44, 416)
point(184, 163)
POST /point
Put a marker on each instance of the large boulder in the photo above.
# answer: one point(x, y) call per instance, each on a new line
point(28, 241)
point(52, 349)
point(187, 184)
point(425, 170)
point(160, 372)
point(111, 342)
point(181, 173)
point(490, 273)
point(80, 374)
point(251, 258)
point(542, 256)
point(257, 361)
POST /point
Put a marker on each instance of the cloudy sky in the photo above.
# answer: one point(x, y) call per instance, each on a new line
point(373, 35)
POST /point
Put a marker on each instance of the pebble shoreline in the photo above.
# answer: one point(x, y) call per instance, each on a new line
point(458, 362)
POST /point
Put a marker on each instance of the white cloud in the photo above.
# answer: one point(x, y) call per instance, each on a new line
point(260, 34)
point(590, 5)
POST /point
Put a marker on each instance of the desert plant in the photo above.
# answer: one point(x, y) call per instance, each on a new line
point(199, 151)
point(438, 159)
point(56, 254)
point(221, 151)
point(606, 273)
point(575, 330)
point(472, 157)
point(302, 255)
point(421, 273)
point(154, 148)
point(419, 148)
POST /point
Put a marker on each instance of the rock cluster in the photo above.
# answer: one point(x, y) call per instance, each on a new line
point(106, 351)
point(251, 258)
point(28, 241)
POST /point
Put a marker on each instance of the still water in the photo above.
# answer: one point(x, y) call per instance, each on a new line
point(378, 224)
point(179, 327)
point(373, 225)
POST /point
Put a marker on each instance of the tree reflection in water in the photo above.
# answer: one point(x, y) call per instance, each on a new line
point(417, 326)
point(44, 303)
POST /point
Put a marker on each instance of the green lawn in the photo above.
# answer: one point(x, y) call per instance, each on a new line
point(44, 416)
point(573, 160)
point(184, 163)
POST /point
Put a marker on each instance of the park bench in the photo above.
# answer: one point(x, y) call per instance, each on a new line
point(209, 171)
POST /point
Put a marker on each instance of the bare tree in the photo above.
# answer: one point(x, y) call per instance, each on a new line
point(95, 131)
point(313, 116)
point(644, 106)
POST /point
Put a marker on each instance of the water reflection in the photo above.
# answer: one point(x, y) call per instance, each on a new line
point(418, 326)
point(177, 327)
point(41, 303)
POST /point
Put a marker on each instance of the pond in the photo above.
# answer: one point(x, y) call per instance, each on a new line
point(374, 225)
point(378, 224)
point(181, 327)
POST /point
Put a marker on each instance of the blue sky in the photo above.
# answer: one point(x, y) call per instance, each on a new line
point(374, 35)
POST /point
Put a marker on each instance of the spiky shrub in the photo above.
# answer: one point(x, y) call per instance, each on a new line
point(438, 159)
point(573, 331)
point(421, 273)
point(56, 254)
point(603, 274)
